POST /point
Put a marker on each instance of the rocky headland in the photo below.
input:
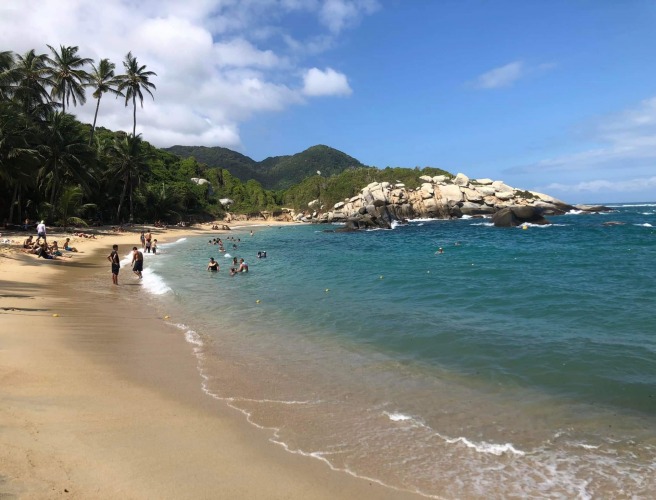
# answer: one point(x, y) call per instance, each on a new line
point(381, 203)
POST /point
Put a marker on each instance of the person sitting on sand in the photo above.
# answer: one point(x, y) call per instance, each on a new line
point(68, 247)
point(54, 249)
point(212, 265)
point(43, 251)
point(28, 242)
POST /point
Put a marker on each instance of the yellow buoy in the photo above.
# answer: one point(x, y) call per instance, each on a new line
point(167, 317)
point(55, 315)
point(257, 301)
point(327, 289)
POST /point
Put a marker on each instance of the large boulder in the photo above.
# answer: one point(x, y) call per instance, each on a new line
point(451, 194)
point(518, 215)
point(461, 180)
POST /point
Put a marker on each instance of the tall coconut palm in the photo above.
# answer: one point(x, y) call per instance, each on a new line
point(129, 159)
point(32, 77)
point(135, 79)
point(18, 159)
point(68, 76)
point(7, 74)
point(103, 79)
point(66, 157)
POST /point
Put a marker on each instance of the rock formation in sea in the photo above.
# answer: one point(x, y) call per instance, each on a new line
point(381, 203)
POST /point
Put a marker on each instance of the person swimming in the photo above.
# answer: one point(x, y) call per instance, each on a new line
point(212, 265)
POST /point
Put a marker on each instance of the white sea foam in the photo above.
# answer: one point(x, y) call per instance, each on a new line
point(397, 417)
point(489, 224)
point(180, 240)
point(154, 283)
point(423, 219)
point(484, 447)
point(646, 224)
point(228, 256)
point(191, 336)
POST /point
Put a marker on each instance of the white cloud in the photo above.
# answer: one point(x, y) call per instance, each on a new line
point(503, 76)
point(626, 139)
point(601, 185)
point(339, 14)
point(507, 75)
point(218, 62)
point(325, 83)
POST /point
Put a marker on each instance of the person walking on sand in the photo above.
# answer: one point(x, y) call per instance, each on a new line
point(41, 231)
point(137, 262)
point(116, 263)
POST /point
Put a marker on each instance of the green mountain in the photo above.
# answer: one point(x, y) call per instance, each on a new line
point(240, 166)
point(276, 172)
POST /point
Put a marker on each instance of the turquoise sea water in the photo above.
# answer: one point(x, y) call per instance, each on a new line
point(519, 362)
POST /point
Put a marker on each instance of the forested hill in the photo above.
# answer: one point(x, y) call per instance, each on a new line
point(277, 172)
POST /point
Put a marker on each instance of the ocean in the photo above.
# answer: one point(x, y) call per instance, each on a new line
point(520, 362)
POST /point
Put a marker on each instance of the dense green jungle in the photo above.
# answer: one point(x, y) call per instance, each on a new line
point(54, 167)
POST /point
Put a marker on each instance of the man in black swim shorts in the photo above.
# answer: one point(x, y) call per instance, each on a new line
point(116, 263)
point(137, 262)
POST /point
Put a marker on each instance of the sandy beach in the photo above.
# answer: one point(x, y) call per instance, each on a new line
point(101, 398)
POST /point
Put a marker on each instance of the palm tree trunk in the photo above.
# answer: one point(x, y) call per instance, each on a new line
point(13, 202)
point(134, 115)
point(120, 202)
point(53, 193)
point(95, 117)
point(131, 206)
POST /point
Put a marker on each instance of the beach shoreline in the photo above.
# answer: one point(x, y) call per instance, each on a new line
point(101, 397)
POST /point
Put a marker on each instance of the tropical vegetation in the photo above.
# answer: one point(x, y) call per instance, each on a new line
point(56, 168)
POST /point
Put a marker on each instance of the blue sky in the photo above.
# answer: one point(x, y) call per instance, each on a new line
point(554, 96)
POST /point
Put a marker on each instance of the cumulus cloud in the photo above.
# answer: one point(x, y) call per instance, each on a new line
point(325, 83)
point(218, 62)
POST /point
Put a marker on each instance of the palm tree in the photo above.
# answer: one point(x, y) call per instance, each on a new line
point(68, 77)
point(104, 80)
point(32, 75)
point(128, 160)
point(135, 79)
point(18, 159)
point(7, 74)
point(66, 157)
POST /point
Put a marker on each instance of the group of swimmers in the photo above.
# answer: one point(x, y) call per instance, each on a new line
point(148, 244)
point(238, 266)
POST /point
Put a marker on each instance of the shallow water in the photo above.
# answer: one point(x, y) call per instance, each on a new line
point(516, 363)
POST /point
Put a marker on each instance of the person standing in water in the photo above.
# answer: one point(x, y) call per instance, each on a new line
point(116, 263)
point(137, 262)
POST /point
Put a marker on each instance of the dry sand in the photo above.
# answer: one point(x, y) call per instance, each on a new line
point(104, 399)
